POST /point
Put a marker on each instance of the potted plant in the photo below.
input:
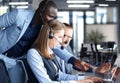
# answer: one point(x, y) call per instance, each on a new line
point(94, 37)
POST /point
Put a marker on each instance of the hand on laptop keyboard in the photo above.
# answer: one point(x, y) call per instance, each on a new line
point(103, 68)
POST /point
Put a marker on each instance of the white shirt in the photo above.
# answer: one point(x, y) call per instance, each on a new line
point(37, 66)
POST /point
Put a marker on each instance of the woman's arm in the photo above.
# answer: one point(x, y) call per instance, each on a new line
point(36, 63)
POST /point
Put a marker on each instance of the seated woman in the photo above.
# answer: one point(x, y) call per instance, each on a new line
point(42, 60)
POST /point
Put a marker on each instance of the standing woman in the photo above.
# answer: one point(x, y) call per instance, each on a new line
point(42, 59)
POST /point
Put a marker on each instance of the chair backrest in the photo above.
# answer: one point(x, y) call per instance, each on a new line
point(88, 46)
point(109, 44)
point(104, 45)
point(4, 77)
point(83, 51)
point(93, 48)
point(29, 74)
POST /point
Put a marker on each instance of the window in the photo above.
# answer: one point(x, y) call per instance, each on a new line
point(3, 9)
point(63, 16)
point(90, 17)
point(101, 15)
point(78, 25)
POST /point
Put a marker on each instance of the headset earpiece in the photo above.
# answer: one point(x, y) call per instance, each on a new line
point(51, 33)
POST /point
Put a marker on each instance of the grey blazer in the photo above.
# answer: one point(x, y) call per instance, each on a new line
point(12, 27)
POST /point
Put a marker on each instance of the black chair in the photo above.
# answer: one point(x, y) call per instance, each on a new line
point(109, 54)
point(103, 45)
point(110, 45)
point(113, 55)
point(96, 54)
point(30, 77)
point(4, 77)
point(84, 53)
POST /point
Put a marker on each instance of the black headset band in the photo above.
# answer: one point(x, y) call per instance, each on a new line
point(51, 33)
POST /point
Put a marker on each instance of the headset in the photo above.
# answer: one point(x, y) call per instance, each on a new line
point(51, 33)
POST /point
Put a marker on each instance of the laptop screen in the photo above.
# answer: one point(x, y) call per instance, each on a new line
point(110, 77)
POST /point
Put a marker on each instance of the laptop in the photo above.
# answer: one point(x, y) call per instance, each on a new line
point(110, 78)
point(118, 79)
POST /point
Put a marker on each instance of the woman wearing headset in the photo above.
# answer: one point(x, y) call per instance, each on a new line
point(42, 59)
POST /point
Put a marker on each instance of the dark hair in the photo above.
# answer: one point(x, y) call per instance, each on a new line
point(43, 6)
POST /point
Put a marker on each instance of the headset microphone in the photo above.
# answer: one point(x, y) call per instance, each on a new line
point(62, 47)
point(51, 33)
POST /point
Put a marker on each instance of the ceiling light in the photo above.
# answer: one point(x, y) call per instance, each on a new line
point(82, 6)
point(18, 3)
point(23, 7)
point(103, 4)
point(110, 0)
point(76, 1)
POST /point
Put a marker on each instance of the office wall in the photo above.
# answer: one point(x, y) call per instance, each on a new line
point(108, 30)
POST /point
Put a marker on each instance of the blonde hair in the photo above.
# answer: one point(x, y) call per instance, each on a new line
point(42, 42)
